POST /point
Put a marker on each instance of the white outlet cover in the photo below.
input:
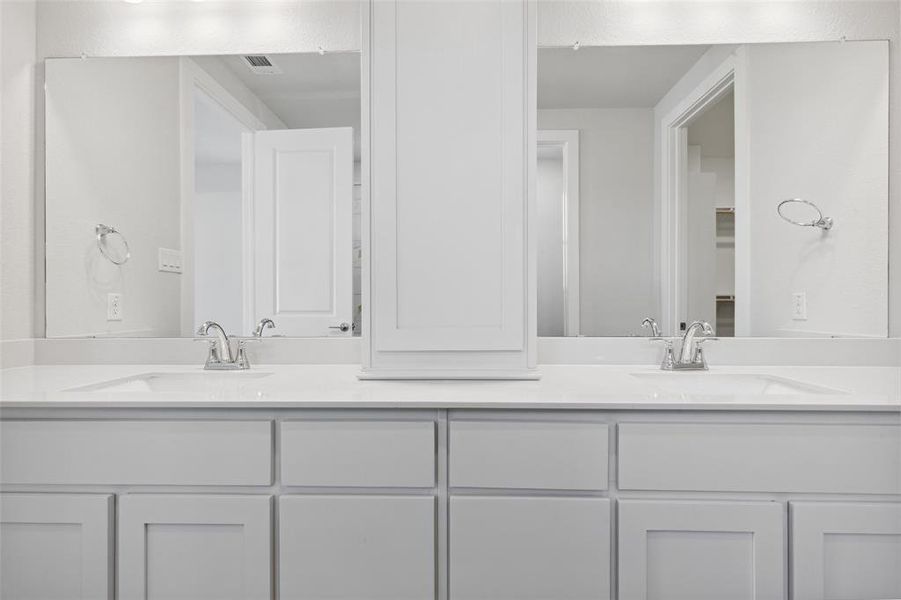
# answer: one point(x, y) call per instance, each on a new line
point(114, 307)
point(799, 306)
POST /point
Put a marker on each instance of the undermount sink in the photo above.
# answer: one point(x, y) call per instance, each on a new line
point(745, 384)
point(206, 381)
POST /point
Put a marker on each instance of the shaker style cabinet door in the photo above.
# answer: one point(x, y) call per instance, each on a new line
point(195, 546)
point(448, 105)
point(56, 546)
point(534, 548)
point(846, 550)
point(356, 547)
point(671, 550)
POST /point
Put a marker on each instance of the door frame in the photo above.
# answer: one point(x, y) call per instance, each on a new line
point(568, 142)
point(193, 78)
point(727, 77)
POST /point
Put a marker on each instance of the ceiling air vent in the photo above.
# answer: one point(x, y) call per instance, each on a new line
point(261, 65)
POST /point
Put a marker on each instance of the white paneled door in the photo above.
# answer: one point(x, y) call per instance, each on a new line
point(672, 550)
point(56, 546)
point(846, 550)
point(302, 203)
point(529, 548)
point(357, 547)
point(196, 547)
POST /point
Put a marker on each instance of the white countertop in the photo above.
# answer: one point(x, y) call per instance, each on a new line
point(336, 386)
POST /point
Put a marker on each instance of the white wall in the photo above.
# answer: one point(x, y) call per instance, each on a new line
point(621, 22)
point(178, 28)
point(616, 215)
point(218, 256)
point(551, 278)
point(112, 157)
point(218, 285)
point(817, 117)
point(17, 221)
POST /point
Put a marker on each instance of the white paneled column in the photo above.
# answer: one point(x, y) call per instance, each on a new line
point(451, 116)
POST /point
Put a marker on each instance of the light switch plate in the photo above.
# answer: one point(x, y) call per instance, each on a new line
point(114, 307)
point(799, 306)
point(169, 260)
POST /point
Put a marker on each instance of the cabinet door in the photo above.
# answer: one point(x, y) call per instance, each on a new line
point(356, 547)
point(56, 546)
point(448, 103)
point(701, 550)
point(197, 547)
point(529, 548)
point(846, 551)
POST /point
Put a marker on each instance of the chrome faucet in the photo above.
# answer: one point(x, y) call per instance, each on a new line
point(219, 357)
point(263, 324)
point(691, 356)
point(652, 323)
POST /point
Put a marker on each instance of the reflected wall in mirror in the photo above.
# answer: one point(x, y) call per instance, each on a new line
point(234, 181)
point(660, 174)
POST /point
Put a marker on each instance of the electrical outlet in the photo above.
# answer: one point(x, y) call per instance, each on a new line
point(114, 307)
point(799, 306)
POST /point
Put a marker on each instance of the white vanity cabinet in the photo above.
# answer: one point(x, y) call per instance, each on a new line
point(56, 546)
point(358, 517)
point(526, 516)
point(419, 503)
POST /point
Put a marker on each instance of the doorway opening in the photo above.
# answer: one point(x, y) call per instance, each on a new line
point(558, 233)
point(709, 217)
point(703, 193)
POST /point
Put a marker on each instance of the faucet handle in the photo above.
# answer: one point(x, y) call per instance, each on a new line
point(241, 360)
point(669, 359)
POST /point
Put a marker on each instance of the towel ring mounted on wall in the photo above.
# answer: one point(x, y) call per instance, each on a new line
point(102, 232)
point(824, 223)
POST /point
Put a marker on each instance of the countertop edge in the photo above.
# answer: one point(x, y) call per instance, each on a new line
point(457, 405)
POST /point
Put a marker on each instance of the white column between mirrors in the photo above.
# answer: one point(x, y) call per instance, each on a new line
point(449, 282)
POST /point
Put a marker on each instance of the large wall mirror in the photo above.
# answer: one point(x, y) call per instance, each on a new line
point(742, 185)
point(187, 189)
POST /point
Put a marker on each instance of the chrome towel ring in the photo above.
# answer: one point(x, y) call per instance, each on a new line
point(102, 232)
point(824, 223)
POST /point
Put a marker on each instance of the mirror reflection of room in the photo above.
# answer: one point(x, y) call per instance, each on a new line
point(696, 183)
point(709, 268)
point(234, 180)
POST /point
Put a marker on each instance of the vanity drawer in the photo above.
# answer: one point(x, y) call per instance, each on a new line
point(136, 452)
point(358, 453)
point(760, 457)
point(528, 455)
